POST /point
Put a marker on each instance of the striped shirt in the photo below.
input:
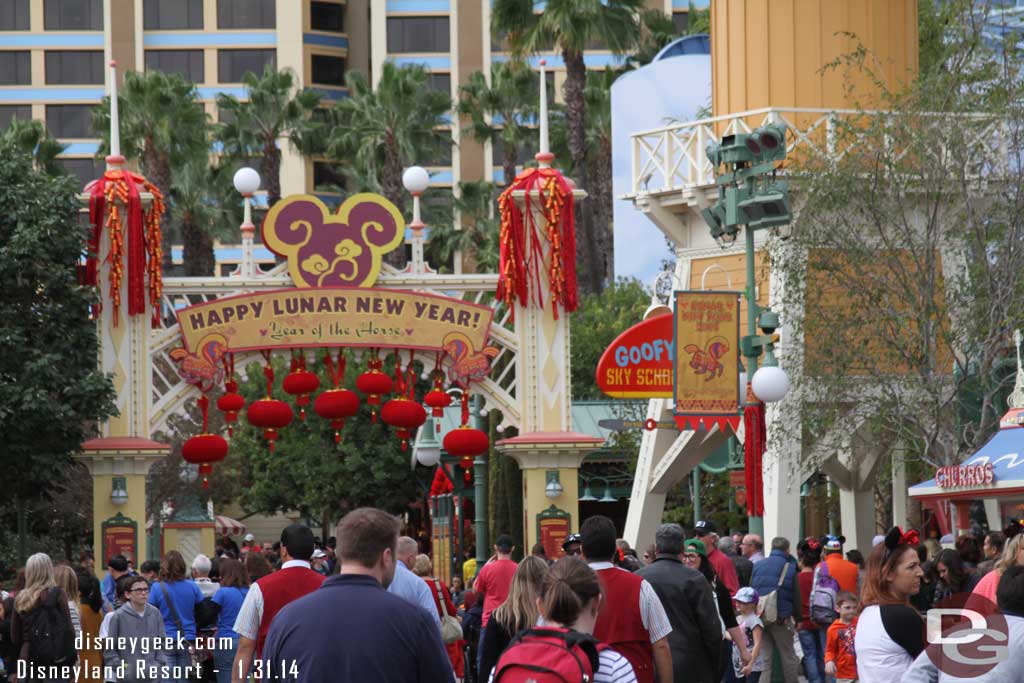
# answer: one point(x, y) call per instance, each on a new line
point(652, 612)
point(611, 668)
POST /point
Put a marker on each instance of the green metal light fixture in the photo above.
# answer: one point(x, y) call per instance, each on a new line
point(588, 495)
point(608, 497)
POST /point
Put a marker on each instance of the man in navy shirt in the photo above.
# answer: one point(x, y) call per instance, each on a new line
point(352, 629)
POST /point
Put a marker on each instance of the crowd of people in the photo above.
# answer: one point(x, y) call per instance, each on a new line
point(367, 606)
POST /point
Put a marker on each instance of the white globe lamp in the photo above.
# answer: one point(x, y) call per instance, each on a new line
point(247, 181)
point(770, 383)
point(428, 456)
point(416, 179)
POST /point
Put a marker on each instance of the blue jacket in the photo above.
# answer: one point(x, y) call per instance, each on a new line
point(765, 578)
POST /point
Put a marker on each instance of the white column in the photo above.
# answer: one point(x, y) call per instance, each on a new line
point(857, 512)
point(899, 488)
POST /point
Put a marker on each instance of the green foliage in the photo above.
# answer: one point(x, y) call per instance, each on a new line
point(573, 26)
point(569, 25)
point(914, 286)
point(162, 123)
point(476, 238)
point(163, 128)
point(599, 319)
point(51, 393)
point(499, 111)
point(274, 107)
point(32, 138)
point(307, 472)
point(717, 502)
point(382, 131)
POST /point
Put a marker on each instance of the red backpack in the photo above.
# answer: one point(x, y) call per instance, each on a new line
point(549, 655)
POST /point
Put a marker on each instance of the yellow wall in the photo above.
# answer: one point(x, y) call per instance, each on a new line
point(770, 54)
point(728, 272)
point(174, 538)
point(536, 501)
point(104, 509)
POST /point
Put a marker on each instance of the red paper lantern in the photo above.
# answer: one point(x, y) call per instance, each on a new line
point(437, 400)
point(204, 450)
point(300, 383)
point(404, 415)
point(271, 415)
point(336, 405)
point(466, 443)
point(374, 384)
point(231, 403)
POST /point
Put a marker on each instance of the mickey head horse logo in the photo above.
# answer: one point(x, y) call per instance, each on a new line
point(330, 250)
point(705, 361)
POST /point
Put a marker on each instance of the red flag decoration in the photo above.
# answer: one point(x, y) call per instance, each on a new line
point(755, 438)
point(527, 247)
point(118, 194)
point(707, 330)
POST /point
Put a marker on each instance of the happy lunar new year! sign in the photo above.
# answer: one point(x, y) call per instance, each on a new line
point(334, 316)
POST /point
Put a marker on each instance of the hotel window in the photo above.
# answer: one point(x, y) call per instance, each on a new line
point(328, 70)
point(440, 82)
point(245, 14)
point(14, 15)
point(327, 177)
point(441, 155)
point(170, 15)
point(73, 15)
point(15, 68)
point(74, 67)
point(69, 120)
point(418, 34)
point(233, 64)
point(681, 20)
point(327, 16)
point(9, 112)
point(86, 170)
point(186, 63)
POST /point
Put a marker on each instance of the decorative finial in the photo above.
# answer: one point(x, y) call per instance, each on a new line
point(544, 157)
point(115, 160)
point(1016, 399)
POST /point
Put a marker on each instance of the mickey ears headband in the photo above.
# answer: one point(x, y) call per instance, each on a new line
point(896, 537)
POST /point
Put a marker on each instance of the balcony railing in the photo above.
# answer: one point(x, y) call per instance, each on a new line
point(672, 159)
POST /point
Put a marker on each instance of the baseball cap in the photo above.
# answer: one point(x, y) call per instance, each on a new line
point(504, 543)
point(833, 545)
point(695, 545)
point(319, 554)
point(746, 595)
point(570, 539)
point(704, 527)
point(249, 537)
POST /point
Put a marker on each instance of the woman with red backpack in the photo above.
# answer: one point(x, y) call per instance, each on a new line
point(41, 628)
point(561, 647)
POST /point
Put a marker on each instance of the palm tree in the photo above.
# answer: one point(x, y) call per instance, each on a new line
point(382, 131)
point(385, 130)
point(162, 126)
point(572, 25)
point(32, 138)
point(499, 110)
point(478, 237)
point(204, 203)
point(162, 122)
point(598, 96)
point(274, 108)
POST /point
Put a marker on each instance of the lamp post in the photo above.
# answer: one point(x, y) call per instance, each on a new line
point(247, 182)
point(480, 497)
point(416, 180)
point(750, 197)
